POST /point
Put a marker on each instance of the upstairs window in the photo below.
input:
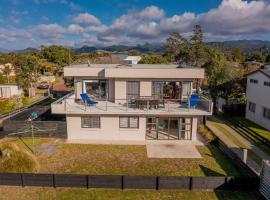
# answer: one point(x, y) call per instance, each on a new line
point(266, 113)
point(251, 106)
point(90, 122)
point(255, 81)
point(267, 83)
point(128, 122)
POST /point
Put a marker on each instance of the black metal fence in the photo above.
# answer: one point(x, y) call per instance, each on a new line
point(130, 182)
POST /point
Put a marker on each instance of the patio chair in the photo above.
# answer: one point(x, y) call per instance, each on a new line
point(87, 100)
point(193, 100)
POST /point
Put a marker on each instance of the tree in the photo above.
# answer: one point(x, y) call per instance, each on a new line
point(182, 51)
point(7, 70)
point(58, 55)
point(237, 56)
point(153, 59)
point(27, 72)
point(218, 72)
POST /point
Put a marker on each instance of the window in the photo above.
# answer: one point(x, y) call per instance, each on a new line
point(251, 106)
point(128, 122)
point(255, 81)
point(266, 113)
point(133, 89)
point(90, 122)
point(267, 83)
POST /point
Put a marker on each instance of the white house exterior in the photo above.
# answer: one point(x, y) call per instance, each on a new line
point(135, 103)
point(9, 90)
point(258, 97)
point(133, 59)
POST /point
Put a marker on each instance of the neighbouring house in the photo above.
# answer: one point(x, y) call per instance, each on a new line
point(133, 59)
point(132, 103)
point(9, 90)
point(12, 70)
point(258, 97)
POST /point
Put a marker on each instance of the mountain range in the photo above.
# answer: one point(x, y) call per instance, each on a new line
point(157, 48)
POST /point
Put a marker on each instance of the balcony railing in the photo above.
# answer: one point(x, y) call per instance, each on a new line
point(148, 105)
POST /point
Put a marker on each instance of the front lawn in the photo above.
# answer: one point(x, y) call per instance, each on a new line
point(18, 193)
point(55, 156)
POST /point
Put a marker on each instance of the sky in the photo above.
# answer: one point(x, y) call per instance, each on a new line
point(74, 23)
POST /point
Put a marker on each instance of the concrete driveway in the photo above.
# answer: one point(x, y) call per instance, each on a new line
point(172, 150)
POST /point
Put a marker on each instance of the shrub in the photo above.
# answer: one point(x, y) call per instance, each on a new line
point(15, 159)
point(207, 134)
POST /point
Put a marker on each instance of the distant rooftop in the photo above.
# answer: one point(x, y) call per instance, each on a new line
point(135, 66)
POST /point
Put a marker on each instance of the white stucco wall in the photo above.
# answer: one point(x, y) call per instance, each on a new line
point(10, 90)
point(109, 130)
point(146, 88)
point(259, 94)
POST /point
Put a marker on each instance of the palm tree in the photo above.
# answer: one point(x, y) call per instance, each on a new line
point(7, 70)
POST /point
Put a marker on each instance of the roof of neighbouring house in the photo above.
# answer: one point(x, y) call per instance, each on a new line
point(264, 71)
point(136, 58)
point(60, 88)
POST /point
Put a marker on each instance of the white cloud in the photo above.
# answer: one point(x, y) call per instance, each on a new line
point(152, 12)
point(86, 19)
point(75, 29)
point(50, 31)
point(232, 19)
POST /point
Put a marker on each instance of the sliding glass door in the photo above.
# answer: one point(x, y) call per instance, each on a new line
point(168, 128)
point(96, 89)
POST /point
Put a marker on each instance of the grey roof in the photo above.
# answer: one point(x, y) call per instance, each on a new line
point(264, 71)
point(135, 66)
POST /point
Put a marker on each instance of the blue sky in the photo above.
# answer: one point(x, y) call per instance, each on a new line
point(25, 23)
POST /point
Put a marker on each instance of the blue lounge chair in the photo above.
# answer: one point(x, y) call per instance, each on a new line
point(193, 100)
point(87, 100)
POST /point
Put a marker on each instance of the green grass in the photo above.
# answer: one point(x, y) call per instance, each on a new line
point(131, 160)
point(237, 142)
point(16, 193)
point(232, 122)
point(122, 160)
point(16, 159)
point(254, 127)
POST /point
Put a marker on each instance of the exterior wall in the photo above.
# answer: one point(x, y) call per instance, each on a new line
point(111, 90)
point(109, 129)
point(11, 91)
point(78, 89)
point(120, 91)
point(145, 88)
point(194, 128)
point(260, 95)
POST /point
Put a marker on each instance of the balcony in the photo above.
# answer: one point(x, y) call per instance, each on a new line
point(69, 105)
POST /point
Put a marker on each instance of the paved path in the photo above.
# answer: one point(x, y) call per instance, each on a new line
point(250, 146)
point(236, 149)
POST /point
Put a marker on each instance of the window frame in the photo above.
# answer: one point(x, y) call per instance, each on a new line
point(266, 110)
point(266, 83)
point(254, 81)
point(254, 106)
point(99, 124)
point(128, 125)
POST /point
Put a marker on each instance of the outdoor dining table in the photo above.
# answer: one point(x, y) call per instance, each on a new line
point(146, 103)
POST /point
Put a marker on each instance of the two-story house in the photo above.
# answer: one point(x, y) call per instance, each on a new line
point(258, 97)
point(134, 102)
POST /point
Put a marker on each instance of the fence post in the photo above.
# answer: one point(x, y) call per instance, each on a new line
point(22, 180)
point(54, 182)
point(122, 182)
point(190, 183)
point(245, 152)
point(157, 183)
point(87, 181)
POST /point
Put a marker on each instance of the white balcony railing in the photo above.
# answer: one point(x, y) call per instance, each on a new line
point(139, 105)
